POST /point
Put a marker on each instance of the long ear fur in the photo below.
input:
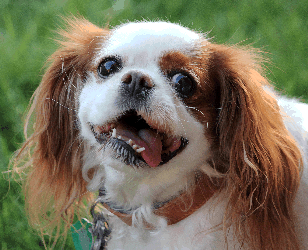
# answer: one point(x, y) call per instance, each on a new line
point(54, 151)
point(264, 162)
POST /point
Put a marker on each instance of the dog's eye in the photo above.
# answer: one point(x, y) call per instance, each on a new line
point(109, 66)
point(183, 84)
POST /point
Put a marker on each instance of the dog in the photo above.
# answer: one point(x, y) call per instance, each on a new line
point(193, 147)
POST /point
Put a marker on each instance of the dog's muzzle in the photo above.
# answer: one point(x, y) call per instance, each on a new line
point(134, 140)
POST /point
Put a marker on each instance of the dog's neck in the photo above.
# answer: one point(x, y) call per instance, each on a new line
point(175, 209)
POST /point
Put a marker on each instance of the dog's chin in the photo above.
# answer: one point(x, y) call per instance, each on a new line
point(137, 140)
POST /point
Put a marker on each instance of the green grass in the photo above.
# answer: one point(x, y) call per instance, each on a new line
point(26, 28)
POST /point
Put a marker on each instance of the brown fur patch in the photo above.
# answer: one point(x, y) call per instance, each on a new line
point(54, 170)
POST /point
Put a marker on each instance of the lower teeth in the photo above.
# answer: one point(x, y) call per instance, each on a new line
point(122, 152)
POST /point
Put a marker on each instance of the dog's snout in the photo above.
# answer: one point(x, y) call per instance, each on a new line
point(136, 83)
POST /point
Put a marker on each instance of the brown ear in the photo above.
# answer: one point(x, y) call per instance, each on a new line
point(54, 181)
point(263, 159)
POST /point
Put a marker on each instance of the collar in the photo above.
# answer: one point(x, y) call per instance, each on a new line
point(177, 208)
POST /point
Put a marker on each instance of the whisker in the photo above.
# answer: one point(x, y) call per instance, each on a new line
point(207, 123)
point(61, 104)
point(195, 109)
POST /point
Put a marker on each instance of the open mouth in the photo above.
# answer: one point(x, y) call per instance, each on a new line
point(134, 139)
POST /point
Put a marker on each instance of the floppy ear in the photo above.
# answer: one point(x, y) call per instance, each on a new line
point(54, 180)
point(264, 162)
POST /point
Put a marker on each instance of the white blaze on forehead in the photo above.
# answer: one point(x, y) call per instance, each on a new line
point(148, 39)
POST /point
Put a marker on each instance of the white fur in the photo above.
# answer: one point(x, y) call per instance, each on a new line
point(297, 123)
point(140, 46)
point(142, 42)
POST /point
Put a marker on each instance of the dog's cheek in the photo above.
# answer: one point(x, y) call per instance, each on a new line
point(97, 103)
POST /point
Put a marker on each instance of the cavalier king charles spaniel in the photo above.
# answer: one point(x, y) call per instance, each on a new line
point(190, 144)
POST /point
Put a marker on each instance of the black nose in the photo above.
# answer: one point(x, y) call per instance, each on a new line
point(137, 84)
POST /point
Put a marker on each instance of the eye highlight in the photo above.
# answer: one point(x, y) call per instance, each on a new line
point(109, 66)
point(183, 84)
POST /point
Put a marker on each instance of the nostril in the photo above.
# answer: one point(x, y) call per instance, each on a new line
point(146, 81)
point(127, 78)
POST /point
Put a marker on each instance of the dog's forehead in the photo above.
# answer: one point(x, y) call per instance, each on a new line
point(149, 39)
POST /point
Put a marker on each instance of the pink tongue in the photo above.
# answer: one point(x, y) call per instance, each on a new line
point(148, 139)
point(152, 154)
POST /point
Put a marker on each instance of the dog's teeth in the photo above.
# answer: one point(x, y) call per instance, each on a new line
point(135, 147)
point(130, 142)
point(139, 150)
point(114, 133)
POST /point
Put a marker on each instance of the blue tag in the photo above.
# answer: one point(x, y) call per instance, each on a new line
point(81, 236)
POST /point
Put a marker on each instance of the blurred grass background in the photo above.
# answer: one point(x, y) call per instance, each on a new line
point(26, 31)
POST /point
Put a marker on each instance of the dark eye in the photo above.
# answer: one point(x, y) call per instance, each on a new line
point(109, 66)
point(183, 84)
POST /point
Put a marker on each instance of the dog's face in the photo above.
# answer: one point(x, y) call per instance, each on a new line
point(137, 105)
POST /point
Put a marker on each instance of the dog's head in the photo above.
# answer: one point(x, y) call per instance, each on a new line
point(139, 104)
point(147, 104)
point(135, 102)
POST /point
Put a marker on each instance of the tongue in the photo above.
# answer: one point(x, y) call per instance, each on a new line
point(152, 154)
point(147, 138)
